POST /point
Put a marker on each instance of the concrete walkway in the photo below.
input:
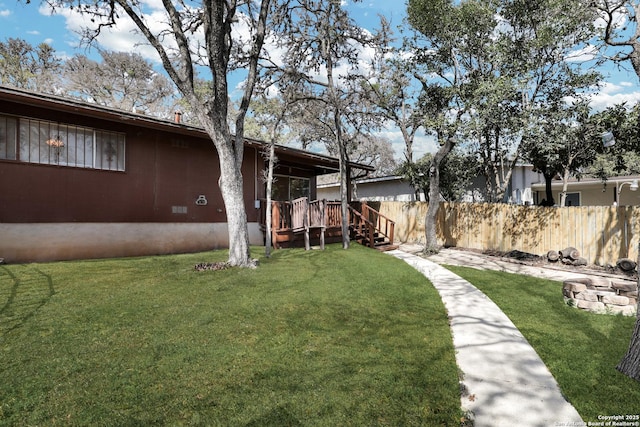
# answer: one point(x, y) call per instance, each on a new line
point(505, 382)
point(486, 262)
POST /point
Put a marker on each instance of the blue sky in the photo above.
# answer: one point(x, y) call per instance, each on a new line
point(33, 23)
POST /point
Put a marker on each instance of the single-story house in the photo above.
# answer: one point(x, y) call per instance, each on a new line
point(386, 188)
point(397, 188)
point(616, 191)
point(79, 180)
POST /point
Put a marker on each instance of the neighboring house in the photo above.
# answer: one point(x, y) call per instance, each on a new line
point(525, 188)
point(519, 191)
point(82, 181)
point(386, 188)
point(396, 188)
point(615, 191)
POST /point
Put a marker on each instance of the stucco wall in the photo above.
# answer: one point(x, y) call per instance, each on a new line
point(65, 241)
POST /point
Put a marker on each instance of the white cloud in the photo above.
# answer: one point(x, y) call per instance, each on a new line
point(122, 37)
point(586, 54)
point(619, 20)
point(614, 93)
point(4, 13)
point(125, 36)
point(422, 143)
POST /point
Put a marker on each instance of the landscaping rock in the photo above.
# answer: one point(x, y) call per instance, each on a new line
point(583, 293)
point(579, 261)
point(600, 282)
point(584, 280)
point(615, 300)
point(625, 310)
point(626, 287)
point(596, 307)
point(588, 296)
point(602, 292)
point(632, 294)
point(574, 287)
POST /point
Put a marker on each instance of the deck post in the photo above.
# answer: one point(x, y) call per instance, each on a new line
point(305, 224)
point(323, 206)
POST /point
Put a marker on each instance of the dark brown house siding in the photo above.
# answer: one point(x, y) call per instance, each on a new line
point(150, 201)
point(164, 176)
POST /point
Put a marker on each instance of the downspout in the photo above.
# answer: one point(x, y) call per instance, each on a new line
point(255, 176)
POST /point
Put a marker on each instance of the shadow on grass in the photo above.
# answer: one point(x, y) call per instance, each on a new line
point(277, 417)
point(26, 296)
point(309, 338)
point(580, 349)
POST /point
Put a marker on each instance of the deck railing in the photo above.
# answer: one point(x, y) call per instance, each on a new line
point(332, 214)
point(364, 227)
point(381, 223)
point(301, 215)
point(371, 223)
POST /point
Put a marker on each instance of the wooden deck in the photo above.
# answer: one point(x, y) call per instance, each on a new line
point(301, 221)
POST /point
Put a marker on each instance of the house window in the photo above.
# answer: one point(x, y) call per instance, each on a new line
point(39, 141)
point(109, 151)
point(573, 199)
point(298, 187)
point(290, 188)
point(8, 135)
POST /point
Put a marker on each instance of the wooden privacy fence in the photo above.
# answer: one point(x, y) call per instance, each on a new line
point(602, 234)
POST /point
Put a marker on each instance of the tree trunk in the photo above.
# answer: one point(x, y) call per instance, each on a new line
point(344, 195)
point(431, 237)
point(231, 187)
point(630, 363)
point(506, 178)
point(565, 184)
point(570, 252)
point(548, 191)
point(343, 160)
point(268, 243)
point(634, 56)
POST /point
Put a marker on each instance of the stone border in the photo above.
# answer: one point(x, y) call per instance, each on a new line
point(601, 295)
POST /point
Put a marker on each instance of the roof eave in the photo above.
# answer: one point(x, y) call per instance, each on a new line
point(320, 161)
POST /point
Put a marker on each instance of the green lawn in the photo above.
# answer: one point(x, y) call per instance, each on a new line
point(328, 337)
point(580, 349)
